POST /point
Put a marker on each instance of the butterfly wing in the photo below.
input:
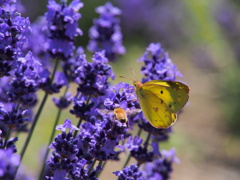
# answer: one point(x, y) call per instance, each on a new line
point(155, 109)
point(174, 94)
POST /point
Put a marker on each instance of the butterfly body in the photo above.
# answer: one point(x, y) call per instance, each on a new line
point(161, 100)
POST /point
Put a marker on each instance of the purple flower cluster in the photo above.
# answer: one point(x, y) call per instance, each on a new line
point(105, 34)
point(132, 172)
point(92, 78)
point(157, 64)
point(162, 167)
point(8, 163)
point(63, 27)
point(13, 30)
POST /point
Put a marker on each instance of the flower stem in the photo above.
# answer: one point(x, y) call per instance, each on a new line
point(36, 117)
point(104, 164)
point(50, 140)
point(147, 140)
point(7, 138)
point(92, 165)
point(129, 156)
point(99, 164)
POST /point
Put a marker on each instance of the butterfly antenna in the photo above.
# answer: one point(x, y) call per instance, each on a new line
point(133, 73)
point(126, 78)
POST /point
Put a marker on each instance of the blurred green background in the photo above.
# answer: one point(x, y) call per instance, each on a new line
point(203, 39)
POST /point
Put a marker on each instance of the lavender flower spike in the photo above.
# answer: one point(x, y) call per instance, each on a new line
point(67, 124)
point(105, 34)
point(158, 66)
point(63, 27)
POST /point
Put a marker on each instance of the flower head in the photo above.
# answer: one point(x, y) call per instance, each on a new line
point(8, 163)
point(132, 172)
point(161, 168)
point(92, 78)
point(13, 30)
point(158, 66)
point(63, 27)
point(105, 34)
point(11, 116)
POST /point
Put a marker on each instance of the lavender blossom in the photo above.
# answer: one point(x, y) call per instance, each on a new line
point(105, 34)
point(63, 27)
point(52, 87)
point(11, 116)
point(139, 152)
point(99, 138)
point(157, 65)
point(71, 65)
point(8, 164)
point(92, 78)
point(64, 101)
point(132, 172)
point(161, 168)
point(10, 144)
point(13, 30)
point(25, 82)
point(122, 96)
point(64, 160)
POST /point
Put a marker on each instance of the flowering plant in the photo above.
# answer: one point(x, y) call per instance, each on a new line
point(30, 57)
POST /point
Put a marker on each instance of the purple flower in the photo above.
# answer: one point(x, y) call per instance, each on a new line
point(161, 168)
point(157, 64)
point(71, 65)
point(81, 107)
point(63, 27)
point(46, 84)
point(37, 41)
point(11, 116)
point(64, 101)
point(13, 30)
point(157, 134)
point(25, 82)
point(121, 95)
point(99, 138)
point(132, 173)
point(92, 78)
point(105, 34)
point(8, 164)
point(67, 125)
point(10, 144)
point(140, 152)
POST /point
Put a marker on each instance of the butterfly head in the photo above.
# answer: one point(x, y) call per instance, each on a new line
point(137, 84)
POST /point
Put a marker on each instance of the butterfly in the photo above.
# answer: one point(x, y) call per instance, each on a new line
point(161, 100)
point(120, 114)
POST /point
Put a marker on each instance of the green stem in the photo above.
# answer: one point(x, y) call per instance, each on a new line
point(50, 140)
point(147, 140)
point(7, 138)
point(127, 161)
point(145, 146)
point(104, 164)
point(33, 126)
point(129, 156)
point(36, 117)
point(100, 164)
point(139, 132)
point(92, 165)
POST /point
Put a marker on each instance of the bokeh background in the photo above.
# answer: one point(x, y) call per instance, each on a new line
point(203, 39)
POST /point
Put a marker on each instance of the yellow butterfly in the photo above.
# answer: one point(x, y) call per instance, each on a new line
point(161, 100)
